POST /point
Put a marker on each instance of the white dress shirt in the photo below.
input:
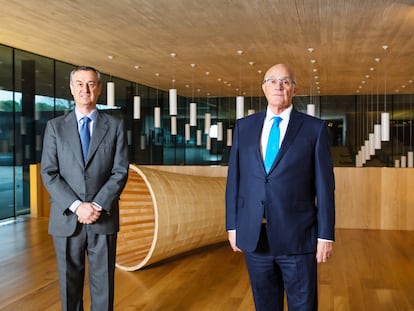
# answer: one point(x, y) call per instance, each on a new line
point(267, 125)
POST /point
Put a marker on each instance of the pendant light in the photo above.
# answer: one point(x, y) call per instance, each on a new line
point(173, 125)
point(310, 108)
point(110, 90)
point(137, 101)
point(385, 116)
point(240, 97)
point(193, 105)
point(199, 138)
point(187, 132)
point(229, 137)
point(137, 107)
point(173, 91)
point(239, 107)
point(219, 123)
point(229, 132)
point(219, 131)
point(157, 109)
point(207, 122)
point(377, 125)
point(251, 110)
point(207, 115)
point(110, 94)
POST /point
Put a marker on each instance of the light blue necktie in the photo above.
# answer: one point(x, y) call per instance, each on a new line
point(272, 144)
point(85, 136)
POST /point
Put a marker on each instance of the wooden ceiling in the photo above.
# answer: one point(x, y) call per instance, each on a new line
point(346, 37)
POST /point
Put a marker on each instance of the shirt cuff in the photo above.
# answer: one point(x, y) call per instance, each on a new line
point(324, 240)
point(98, 207)
point(74, 206)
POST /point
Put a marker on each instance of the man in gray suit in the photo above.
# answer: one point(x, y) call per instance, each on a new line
point(84, 167)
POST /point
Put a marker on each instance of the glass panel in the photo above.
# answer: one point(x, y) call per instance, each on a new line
point(34, 81)
point(7, 184)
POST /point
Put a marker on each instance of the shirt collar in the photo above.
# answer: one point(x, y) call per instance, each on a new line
point(285, 115)
point(91, 116)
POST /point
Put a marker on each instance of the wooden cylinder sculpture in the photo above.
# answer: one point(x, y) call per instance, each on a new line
point(163, 214)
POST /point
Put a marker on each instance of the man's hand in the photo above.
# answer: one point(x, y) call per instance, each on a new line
point(324, 251)
point(88, 213)
point(232, 240)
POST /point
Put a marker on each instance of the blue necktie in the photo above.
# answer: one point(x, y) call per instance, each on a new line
point(85, 136)
point(272, 144)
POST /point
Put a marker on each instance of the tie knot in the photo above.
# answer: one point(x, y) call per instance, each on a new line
point(85, 120)
point(277, 120)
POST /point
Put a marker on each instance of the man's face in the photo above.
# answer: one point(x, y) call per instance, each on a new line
point(85, 89)
point(279, 88)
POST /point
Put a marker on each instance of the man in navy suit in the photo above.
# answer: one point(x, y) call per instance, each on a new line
point(282, 218)
point(85, 180)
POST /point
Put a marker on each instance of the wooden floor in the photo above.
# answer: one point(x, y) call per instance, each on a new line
point(371, 270)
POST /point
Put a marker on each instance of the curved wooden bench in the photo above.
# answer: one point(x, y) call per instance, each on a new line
point(163, 214)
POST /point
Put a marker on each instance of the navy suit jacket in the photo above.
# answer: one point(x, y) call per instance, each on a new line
point(67, 178)
point(297, 195)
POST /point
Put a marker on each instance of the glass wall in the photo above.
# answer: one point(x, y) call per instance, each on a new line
point(34, 89)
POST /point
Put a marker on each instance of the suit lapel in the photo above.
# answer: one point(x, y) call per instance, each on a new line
point(99, 131)
point(295, 123)
point(257, 133)
point(71, 134)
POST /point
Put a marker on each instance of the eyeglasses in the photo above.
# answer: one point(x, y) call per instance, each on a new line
point(285, 81)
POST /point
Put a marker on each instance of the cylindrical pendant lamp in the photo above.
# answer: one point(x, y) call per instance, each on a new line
point(371, 144)
point(193, 114)
point(410, 159)
point(311, 109)
point(362, 155)
point(137, 107)
point(219, 131)
point(173, 125)
point(199, 141)
point(403, 161)
point(385, 126)
point(187, 132)
point(173, 102)
point(229, 137)
point(377, 136)
point(366, 145)
point(357, 160)
point(207, 122)
point(157, 117)
point(110, 94)
point(239, 107)
point(208, 143)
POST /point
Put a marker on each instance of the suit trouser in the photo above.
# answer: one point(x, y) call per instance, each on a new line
point(70, 252)
point(271, 275)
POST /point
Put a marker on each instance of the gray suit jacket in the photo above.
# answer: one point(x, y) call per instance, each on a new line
point(101, 179)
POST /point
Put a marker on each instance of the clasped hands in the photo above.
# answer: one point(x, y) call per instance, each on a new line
point(88, 213)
